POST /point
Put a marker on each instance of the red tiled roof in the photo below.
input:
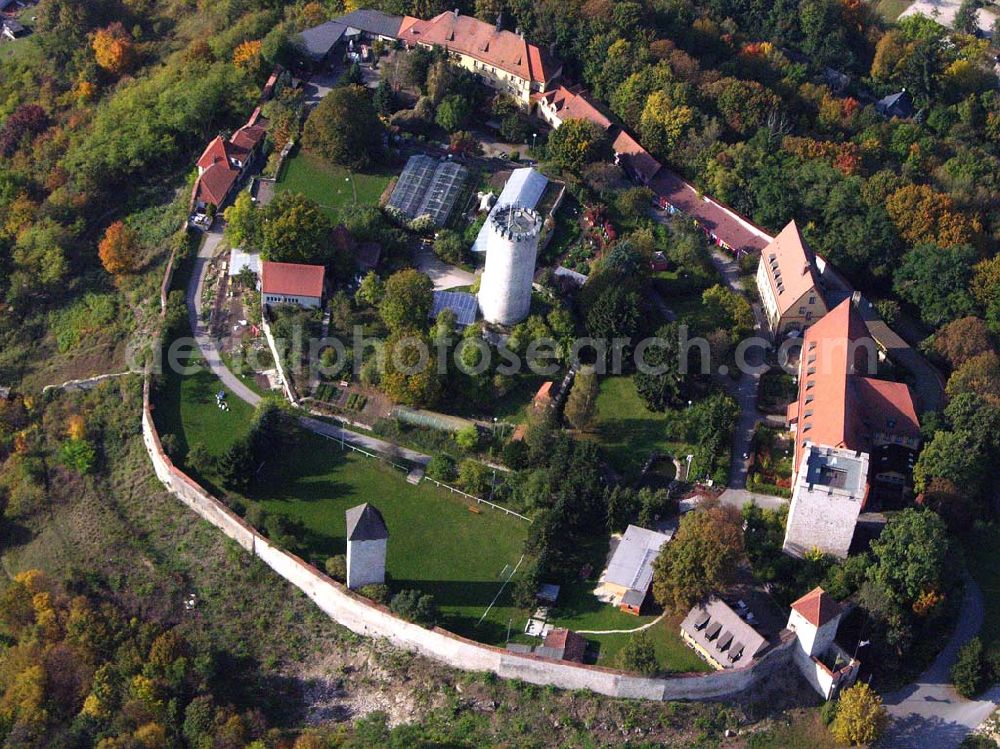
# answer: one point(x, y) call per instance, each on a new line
point(574, 104)
point(215, 183)
point(888, 407)
point(795, 266)
point(635, 157)
point(248, 138)
point(573, 645)
point(470, 36)
point(817, 607)
point(214, 152)
point(735, 231)
point(292, 279)
point(837, 405)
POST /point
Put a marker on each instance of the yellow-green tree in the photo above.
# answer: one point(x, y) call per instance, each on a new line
point(861, 718)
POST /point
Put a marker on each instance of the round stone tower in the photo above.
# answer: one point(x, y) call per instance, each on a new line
point(511, 251)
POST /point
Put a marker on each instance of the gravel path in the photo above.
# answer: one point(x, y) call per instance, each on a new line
point(210, 353)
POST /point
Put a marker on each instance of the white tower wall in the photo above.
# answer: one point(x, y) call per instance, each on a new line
point(511, 252)
point(365, 563)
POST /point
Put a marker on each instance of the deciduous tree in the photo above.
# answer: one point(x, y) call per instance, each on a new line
point(701, 559)
point(406, 302)
point(119, 249)
point(345, 128)
point(114, 49)
point(861, 718)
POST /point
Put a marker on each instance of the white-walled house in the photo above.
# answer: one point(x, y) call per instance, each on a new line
point(292, 283)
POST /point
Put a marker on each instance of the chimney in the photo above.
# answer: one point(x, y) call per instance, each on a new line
point(500, 21)
point(805, 269)
point(456, 12)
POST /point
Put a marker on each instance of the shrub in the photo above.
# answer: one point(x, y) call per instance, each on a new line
point(969, 672)
point(828, 712)
point(336, 567)
point(442, 468)
point(638, 655)
point(415, 606)
point(515, 455)
point(467, 438)
point(473, 477)
point(377, 592)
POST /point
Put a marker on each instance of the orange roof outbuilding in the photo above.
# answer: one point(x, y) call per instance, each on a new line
point(292, 279)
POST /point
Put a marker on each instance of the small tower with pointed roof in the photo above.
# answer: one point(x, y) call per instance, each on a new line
point(815, 618)
point(367, 537)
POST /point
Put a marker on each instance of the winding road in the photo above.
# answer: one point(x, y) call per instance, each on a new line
point(210, 353)
point(929, 712)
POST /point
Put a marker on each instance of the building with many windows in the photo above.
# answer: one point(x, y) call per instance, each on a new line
point(504, 61)
point(789, 283)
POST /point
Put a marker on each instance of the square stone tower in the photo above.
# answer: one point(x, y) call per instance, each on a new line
point(367, 536)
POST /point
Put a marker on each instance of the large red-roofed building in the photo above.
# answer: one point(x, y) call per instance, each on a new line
point(502, 59)
point(856, 436)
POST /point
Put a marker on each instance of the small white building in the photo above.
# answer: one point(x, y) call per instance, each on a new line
point(292, 283)
point(240, 261)
point(367, 537)
point(814, 619)
point(626, 581)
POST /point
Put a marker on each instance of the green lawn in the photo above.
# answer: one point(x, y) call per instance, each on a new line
point(333, 187)
point(578, 608)
point(628, 431)
point(682, 294)
point(185, 407)
point(671, 653)
point(891, 9)
point(436, 544)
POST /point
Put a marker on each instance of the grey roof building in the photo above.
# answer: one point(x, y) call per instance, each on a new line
point(365, 523)
point(899, 104)
point(372, 22)
point(720, 636)
point(318, 41)
point(630, 571)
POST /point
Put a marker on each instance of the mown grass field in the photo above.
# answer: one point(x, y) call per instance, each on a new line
point(628, 431)
point(333, 187)
point(437, 545)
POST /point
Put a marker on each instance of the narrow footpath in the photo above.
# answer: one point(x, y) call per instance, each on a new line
point(210, 353)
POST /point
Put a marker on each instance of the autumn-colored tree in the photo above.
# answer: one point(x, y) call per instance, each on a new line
point(701, 559)
point(960, 340)
point(861, 718)
point(313, 14)
point(247, 55)
point(980, 374)
point(119, 249)
point(76, 427)
point(923, 215)
point(114, 50)
point(84, 92)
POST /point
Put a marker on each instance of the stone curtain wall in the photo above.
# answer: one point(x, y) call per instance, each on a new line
point(365, 617)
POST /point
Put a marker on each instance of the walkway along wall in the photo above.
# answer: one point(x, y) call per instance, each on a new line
point(365, 617)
